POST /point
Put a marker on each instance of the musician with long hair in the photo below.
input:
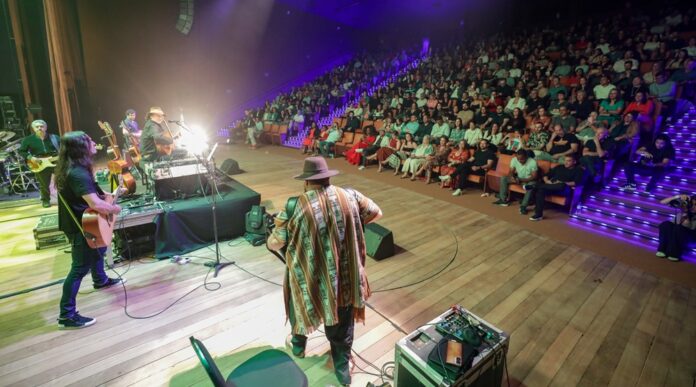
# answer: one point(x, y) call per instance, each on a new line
point(78, 191)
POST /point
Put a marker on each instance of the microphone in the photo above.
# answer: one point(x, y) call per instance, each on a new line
point(173, 121)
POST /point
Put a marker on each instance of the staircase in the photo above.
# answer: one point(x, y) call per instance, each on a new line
point(634, 216)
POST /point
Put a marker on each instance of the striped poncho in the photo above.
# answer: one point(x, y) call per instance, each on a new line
point(325, 256)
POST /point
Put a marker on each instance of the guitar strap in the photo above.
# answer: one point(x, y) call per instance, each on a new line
point(72, 214)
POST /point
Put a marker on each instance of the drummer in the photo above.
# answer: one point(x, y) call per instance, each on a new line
point(39, 145)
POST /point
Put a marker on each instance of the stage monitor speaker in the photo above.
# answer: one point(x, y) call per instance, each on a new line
point(230, 167)
point(379, 241)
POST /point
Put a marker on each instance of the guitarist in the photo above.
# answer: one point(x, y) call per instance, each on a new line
point(78, 191)
point(131, 134)
point(154, 134)
point(40, 144)
point(130, 129)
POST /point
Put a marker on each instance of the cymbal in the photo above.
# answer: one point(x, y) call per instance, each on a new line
point(12, 146)
point(6, 135)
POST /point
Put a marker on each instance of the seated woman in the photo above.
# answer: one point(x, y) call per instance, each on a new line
point(586, 129)
point(512, 142)
point(613, 105)
point(494, 136)
point(435, 160)
point(674, 236)
point(517, 121)
point(642, 109)
point(417, 158)
point(456, 157)
point(384, 152)
point(323, 135)
point(309, 142)
point(354, 154)
point(457, 132)
point(408, 144)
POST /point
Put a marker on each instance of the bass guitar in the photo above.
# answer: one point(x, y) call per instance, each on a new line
point(99, 228)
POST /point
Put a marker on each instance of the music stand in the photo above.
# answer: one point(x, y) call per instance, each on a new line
point(217, 265)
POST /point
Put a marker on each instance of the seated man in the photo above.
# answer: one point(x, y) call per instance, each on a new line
point(352, 123)
point(524, 171)
point(654, 159)
point(558, 181)
point(327, 146)
point(440, 129)
point(483, 161)
point(560, 145)
point(567, 122)
point(595, 151)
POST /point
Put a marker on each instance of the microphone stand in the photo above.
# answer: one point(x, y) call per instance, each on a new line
point(216, 265)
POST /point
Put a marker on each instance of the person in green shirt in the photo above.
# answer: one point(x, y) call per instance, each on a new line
point(40, 146)
point(524, 171)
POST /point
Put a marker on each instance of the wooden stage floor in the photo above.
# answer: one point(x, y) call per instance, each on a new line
point(574, 317)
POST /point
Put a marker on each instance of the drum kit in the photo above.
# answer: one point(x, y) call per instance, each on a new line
point(14, 174)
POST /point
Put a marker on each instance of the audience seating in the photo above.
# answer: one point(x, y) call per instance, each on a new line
point(503, 169)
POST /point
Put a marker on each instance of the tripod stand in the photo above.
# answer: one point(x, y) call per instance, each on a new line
point(211, 177)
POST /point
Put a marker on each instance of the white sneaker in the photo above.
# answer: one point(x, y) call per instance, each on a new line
point(360, 168)
point(457, 192)
point(444, 177)
point(660, 254)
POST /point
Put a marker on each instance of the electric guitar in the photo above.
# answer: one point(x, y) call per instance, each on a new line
point(38, 164)
point(99, 228)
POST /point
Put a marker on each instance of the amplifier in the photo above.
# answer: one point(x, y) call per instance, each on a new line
point(46, 232)
point(421, 360)
point(136, 215)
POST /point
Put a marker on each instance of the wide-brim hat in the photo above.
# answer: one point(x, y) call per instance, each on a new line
point(315, 168)
point(156, 110)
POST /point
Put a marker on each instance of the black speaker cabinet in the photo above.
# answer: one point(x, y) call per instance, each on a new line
point(379, 241)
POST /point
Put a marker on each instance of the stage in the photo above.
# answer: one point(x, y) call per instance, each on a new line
point(575, 317)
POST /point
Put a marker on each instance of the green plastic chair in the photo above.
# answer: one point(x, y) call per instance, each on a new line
point(271, 367)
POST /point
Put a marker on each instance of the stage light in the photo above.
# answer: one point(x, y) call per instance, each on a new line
point(195, 140)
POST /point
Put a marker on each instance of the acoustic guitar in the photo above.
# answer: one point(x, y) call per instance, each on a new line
point(99, 228)
point(117, 166)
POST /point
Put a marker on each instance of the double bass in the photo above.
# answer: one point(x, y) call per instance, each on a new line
point(117, 166)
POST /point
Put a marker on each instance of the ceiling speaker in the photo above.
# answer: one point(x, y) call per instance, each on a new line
point(185, 16)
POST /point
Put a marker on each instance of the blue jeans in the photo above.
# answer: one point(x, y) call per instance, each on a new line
point(84, 260)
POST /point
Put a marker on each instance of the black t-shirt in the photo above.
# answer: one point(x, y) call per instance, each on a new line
point(562, 144)
point(561, 173)
point(78, 182)
point(498, 118)
point(582, 109)
point(480, 119)
point(606, 144)
point(659, 154)
point(481, 157)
